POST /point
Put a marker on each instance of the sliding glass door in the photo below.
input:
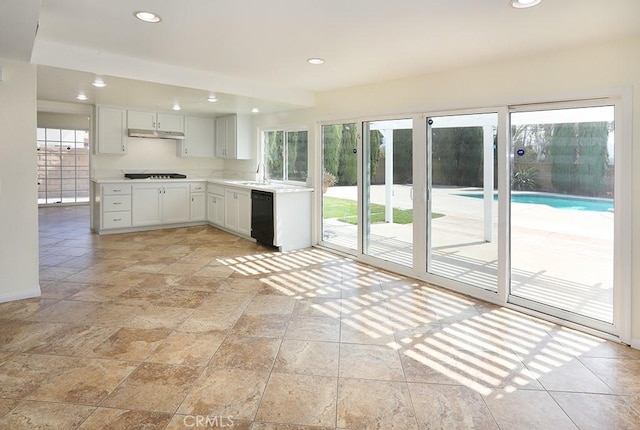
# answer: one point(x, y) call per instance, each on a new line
point(562, 212)
point(388, 190)
point(519, 205)
point(340, 199)
point(462, 219)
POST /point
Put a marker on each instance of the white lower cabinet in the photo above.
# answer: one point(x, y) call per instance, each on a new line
point(237, 210)
point(116, 206)
point(160, 203)
point(198, 202)
point(215, 209)
point(198, 207)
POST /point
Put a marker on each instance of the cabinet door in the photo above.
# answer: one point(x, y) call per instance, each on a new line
point(198, 207)
point(230, 209)
point(198, 138)
point(146, 203)
point(221, 137)
point(111, 131)
point(141, 119)
point(215, 209)
point(244, 212)
point(244, 136)
point(231, 136)
point(175, 203)
point(169, 122)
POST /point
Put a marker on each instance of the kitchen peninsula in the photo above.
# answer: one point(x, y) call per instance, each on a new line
point(121, 205)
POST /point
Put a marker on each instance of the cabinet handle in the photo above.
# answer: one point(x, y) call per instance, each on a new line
point(117, 191)
point(122, 148)
point(153, 124)
point(117, 219)
point(117, 203)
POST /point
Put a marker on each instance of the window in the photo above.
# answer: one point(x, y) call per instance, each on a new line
point(285, 154)
point(63, 165)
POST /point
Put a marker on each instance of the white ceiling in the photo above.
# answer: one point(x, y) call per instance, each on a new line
point(254, 52)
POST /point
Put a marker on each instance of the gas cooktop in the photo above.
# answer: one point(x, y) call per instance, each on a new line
point(154, 176)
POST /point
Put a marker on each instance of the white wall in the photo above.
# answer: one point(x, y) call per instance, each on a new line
point(555, 76)
point(18, 182)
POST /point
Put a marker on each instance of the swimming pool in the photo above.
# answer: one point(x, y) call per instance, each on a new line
point(556, 201)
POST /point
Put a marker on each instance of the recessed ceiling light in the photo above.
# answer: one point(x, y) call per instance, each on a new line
point(212, 98)
point(315, 60)
point(522, 4)
point(82, 96)
point(176, 106)
point(255, 110)
point(98, 82)
point(146, 16)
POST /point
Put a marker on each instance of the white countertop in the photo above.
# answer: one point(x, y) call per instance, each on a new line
point(275, 187)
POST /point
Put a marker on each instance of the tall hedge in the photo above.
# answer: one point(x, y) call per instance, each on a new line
point(591, 165)
point(579, 157)
point(563, 150)
point(459, 151)
point(403, 156)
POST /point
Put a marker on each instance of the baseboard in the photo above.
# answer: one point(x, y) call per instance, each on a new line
point(635, 343)
point(10, 297)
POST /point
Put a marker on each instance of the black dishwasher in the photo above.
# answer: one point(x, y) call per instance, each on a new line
point(262, 216)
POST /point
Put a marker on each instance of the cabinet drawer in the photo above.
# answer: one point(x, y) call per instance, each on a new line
point(198, 188)
point(216, 189)
point(116, 220)
point(116, 189)
point(117, 203)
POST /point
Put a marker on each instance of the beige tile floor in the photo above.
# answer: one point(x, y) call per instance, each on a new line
point(196, 328)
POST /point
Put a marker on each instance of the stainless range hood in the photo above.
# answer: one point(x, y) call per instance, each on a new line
point(155, 134)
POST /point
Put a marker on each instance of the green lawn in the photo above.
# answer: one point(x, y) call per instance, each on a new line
point(347, 211)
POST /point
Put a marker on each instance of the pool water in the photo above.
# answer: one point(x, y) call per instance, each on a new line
point(558, 202)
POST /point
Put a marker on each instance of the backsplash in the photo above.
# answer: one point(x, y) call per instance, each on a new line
point(158, 155)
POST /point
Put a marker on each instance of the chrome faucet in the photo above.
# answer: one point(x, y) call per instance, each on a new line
point(263, 179)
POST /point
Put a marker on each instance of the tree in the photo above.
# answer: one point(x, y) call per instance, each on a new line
point(297, 148)
point(331, 141)
point(375, 140)
point(273, 146)
point(348, 161)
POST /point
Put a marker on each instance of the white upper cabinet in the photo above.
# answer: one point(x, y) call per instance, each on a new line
point(111, 131)
point(169, 122)
point(198, 138)
point(145, 120)
point(233, 137)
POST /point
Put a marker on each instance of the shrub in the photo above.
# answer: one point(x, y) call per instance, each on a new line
point(329, 179)
point(525, 179)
